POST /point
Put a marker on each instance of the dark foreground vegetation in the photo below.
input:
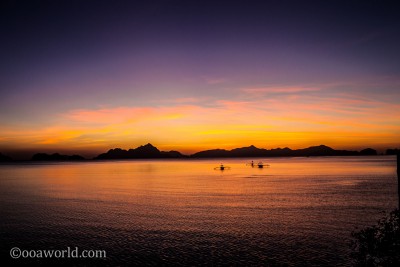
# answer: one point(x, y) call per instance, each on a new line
point(378, 245)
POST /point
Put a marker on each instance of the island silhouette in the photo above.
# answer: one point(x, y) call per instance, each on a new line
point(5, 158)
point(149, 151)
point(55, 157)
point(141, 152)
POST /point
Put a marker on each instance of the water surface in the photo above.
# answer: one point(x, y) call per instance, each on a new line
point(298, 211)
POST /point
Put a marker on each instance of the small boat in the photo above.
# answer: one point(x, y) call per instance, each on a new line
point(261, 165)
point(222, 167)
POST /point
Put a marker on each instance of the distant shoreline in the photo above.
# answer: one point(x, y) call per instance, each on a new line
point(35, 162)
point(149, 151)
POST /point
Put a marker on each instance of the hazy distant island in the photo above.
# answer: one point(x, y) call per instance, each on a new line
point(151, 152)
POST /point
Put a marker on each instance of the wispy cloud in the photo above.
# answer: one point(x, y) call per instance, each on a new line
point(284, 89)
point(120, 115)
point(289, 118)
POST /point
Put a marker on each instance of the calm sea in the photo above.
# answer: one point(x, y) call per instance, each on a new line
point(296, 212)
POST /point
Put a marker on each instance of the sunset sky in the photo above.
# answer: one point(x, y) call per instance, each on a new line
point(87, 76)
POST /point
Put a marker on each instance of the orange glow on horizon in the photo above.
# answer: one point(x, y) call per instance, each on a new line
point(294, 122)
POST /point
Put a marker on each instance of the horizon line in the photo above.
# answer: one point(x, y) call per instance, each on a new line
point(79, 152)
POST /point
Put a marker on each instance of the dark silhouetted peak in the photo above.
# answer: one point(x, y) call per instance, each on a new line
point(116, 153)
point(141, 152)
point(5, 158)
point(280, 152)
point(368, 152)
point(149, 149)
point(116, 150)
point(321, 148)
point(246, 148)
point(250, 151)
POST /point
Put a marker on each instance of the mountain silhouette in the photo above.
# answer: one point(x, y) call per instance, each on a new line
point(55, 157)
point(142, 152)
point(392, 151)
point(213, 153)
point(250, 151)
point(253, 151)
point(322, 150)
point(5, 158)
point(368, 151)
point(150, 151)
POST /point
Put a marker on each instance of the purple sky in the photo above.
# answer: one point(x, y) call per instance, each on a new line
point(58, 57)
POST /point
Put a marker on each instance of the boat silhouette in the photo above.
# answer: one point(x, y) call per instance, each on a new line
point(222, 167)
point(259, 164)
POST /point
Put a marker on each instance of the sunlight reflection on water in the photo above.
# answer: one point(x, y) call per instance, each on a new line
point(297, 211)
